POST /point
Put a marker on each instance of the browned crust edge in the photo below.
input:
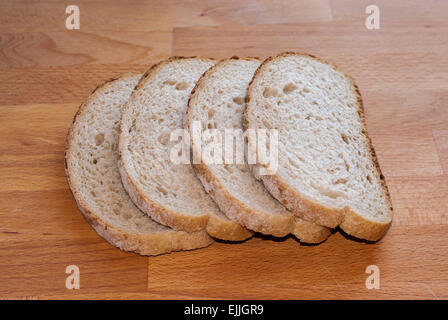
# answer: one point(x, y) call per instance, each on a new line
point(217, 228)
point(310, 232)
point(348, 220)
point(144, 244)
point(235, 209)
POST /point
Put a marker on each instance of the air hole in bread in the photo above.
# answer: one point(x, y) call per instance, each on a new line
point(163, 139)
point(238, 100)
point(169, 82)
point(162, 190)
point(95, 161)
point(182, 85)
point(340, 180)
point(212, 125)
point(99, 138)
point(293, 163)
point(267, 124)
point(344, 137)
point(289, 87)
point(324, 190)
point(369, 179)
point(271, 92)
point(132, 127)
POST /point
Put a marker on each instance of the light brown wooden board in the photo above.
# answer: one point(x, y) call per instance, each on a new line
point(46, 71)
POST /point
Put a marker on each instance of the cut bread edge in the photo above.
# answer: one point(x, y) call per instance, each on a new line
point(278, 226)
point(157, 212)
point(236, 210)
point(349, 221)
point(141, 243)
point(297, 203)
point(215, 226)
point(310, 232)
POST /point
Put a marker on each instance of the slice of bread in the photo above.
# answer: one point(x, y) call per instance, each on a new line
point(217, 102)
point(170, 193)
point(92, 174)
point(328, 172)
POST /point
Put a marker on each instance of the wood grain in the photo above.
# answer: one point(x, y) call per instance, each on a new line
point(441, 138)
point(376, 63)
point(408, 153)
point(47, 71)
point(419, 200)
point(57, 85)
point(61, 48)
point(151, 15)
point(284, 269)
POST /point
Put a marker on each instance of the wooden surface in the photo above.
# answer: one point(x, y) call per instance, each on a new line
point(46, 71)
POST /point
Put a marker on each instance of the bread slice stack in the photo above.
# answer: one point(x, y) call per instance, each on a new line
point(218, 101)
point(91, 166)
point(140, 179)
point(168, 192)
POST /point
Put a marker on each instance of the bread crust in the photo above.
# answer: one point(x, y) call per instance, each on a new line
point(348, 220)
point(251, 218)
point(236, 210)
point(217, 228)
point(141, 243)
point(310, 232)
